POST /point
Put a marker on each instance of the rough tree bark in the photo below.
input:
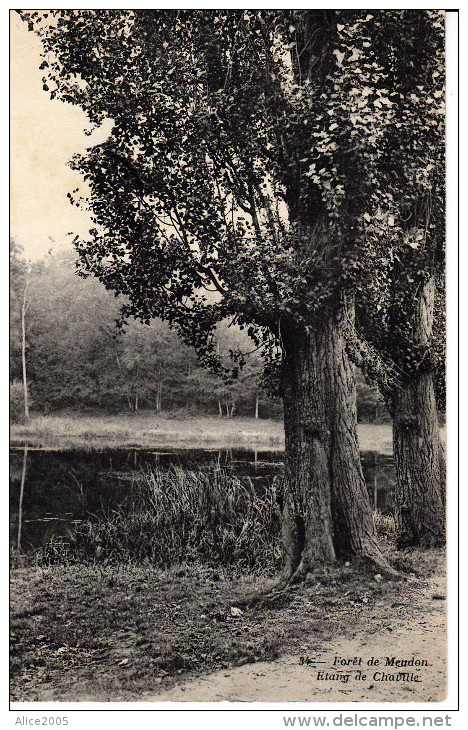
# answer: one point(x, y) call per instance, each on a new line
point(307, 527)
point(418, 452)
point(354, 530)
point(326, 508)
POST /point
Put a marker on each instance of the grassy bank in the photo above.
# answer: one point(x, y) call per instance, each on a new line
point(152, 430)
point(125, 632)
point(139, 599)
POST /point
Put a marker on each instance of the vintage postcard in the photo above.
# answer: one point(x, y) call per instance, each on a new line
point(228, 358)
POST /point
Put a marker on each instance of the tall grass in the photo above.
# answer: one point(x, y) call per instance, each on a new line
point(181, 516)
point(174, 516)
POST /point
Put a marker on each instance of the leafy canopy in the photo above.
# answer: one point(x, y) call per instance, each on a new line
point(257, 157)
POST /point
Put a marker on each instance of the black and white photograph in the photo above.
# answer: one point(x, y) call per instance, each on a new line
point(228, 439)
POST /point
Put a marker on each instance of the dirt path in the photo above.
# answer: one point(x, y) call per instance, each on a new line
point(421, 639)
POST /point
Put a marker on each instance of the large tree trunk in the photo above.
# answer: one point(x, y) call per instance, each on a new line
point(326, 508)
point(419, 464)
point(353, 520)
point(307, 527)
point(418, 452)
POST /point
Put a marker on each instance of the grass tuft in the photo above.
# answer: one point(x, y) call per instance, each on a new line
point(385, 526)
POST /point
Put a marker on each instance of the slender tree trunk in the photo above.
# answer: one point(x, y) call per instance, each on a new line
point(189, 373)
point(418, 451)
point(256, 406)
point(326, 507)
point(24, 308)
point(160, 387)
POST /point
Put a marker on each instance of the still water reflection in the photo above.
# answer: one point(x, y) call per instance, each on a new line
point(50, 491)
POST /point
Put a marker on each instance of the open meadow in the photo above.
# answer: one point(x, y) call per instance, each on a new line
point(148, 429)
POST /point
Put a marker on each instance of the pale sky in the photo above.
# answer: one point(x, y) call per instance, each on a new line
point(45, 135)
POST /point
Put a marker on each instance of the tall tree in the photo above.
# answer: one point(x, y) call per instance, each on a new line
point(239, 163)
point(401, 267)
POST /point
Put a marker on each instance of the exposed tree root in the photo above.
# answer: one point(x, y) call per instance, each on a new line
point(300, 574)
point(295, 579)
point(268, 598)
point(376, 561)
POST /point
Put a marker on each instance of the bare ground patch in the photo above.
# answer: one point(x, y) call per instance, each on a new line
point(373, 653)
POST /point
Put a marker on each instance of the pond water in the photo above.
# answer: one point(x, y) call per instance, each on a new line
point(50, 491)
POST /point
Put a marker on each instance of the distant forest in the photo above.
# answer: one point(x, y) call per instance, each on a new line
point(77, 358)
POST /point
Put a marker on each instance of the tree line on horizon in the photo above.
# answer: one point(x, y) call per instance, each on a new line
point(77, 358)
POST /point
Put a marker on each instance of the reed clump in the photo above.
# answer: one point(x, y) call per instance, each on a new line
point(176, 516)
